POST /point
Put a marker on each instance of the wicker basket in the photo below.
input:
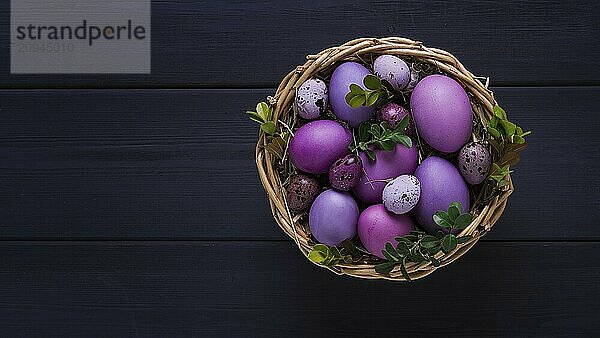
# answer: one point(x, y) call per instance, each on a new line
point(362, 49)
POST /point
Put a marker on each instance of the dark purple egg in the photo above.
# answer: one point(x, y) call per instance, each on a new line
point(392, 113)
point(345, 172)
point(474, 162)
point(302, 191)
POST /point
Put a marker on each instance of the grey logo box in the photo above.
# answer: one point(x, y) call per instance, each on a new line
point(80, 36)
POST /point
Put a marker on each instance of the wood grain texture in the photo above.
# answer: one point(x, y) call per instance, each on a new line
point(267, 289)
point(180, 164)
point(255, 43)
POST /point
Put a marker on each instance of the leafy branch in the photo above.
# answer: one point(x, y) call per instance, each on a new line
point(376, 90)
point(277, 142)
point(498, 173)
point(382, 136)
point(419, 247)
point(507, 139)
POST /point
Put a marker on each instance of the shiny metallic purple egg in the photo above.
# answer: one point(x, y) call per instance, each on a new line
point(345, 172)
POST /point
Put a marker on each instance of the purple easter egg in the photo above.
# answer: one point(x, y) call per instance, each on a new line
point(311, 98)
point(387, 165)
point(301, 192)
point(442, 113)
point(441, 184)
point(333, 217)
point(377, 226)
point(392, 69)
point(344, 75)
point(474, 161)
point(345, 172)
point(318, 144)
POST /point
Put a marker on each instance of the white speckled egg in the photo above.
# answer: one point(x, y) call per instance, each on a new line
point(311, 98)
point(402, 194)
point(392, 69)
point(474, 162)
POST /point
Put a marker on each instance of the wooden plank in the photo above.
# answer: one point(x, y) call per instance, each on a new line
point(180, 164)
point(255, 43)
point(268, 289)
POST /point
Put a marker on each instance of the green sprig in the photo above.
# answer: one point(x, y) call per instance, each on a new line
point(419, 247)
point(507, 139)
point(382, 136)
point(376, 90)
point(264, 116)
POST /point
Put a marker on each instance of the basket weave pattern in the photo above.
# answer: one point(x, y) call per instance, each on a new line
point(482, 101)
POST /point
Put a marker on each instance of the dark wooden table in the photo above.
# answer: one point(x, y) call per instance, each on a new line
point(130, 204)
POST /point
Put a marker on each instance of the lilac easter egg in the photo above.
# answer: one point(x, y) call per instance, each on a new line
point(377, 226)
point(392, 113)
point(387, 165)
point(474, 162)
point(317, 144)
point(441, 184)
point(345, 172)
point(442, 113)
point(344, 75)
point(333, 217)
point(311, 98)
point(301, 192)
point(392, 69)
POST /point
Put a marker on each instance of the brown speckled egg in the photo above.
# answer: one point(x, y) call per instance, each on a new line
point(392, 113)
point(302, 191)
point(345, 172)
point(474, 162)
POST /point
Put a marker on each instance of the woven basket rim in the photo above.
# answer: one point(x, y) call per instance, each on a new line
point(482, 100)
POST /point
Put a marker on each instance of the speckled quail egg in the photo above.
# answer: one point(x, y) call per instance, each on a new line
point(392, 69)
point(392, 113)
point(302, 191)
point(401, 194)
point(345, 172)
point(311, 98)
point(474, 162)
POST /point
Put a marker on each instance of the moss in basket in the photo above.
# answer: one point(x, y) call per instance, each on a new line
point(419, 247)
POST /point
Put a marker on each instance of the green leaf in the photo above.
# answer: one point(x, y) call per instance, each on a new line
point(404, 272)
point(387, 145)
point(255, 117)
point(371, 99)
point(316, 256)
point(264, 111)
point(363, 131)
point(494, 132)
point(356, 101)
point(356, 89)
point(463, 221)
point(429, 242)
point(371, 154)
point(442, 219)
point(509, 128)
point(434, 261)
point(403, 123)
point(518, 139)
point(268, 127)
point(402, 247)
point(449, 243)
point(463, 239)
point(372, 82)
point(405, 140)
point(499, 112)
point(385, 268)
point(376, 130)
point(454, 210)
